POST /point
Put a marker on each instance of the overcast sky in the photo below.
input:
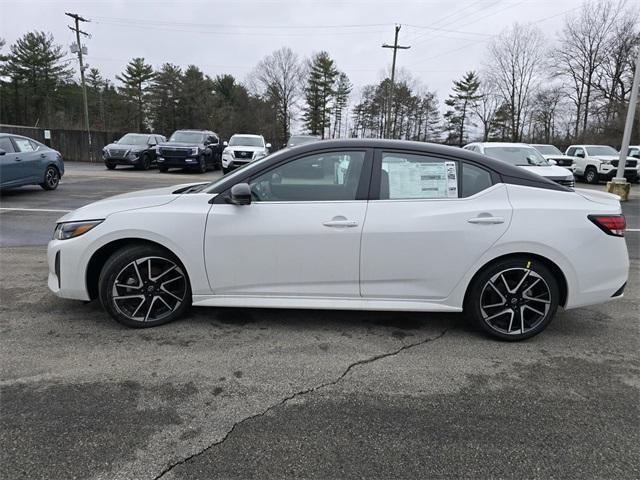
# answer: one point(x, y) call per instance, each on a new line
point(447, 37)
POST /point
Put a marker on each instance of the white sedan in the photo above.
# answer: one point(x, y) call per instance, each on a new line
point(350, 224)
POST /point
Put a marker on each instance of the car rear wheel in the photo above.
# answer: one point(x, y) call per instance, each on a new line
point(144, 286)
point(51, 178)
point(591, 175)
point(163, 169)
point(513, 299)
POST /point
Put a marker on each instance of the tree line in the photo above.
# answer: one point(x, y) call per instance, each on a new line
point(574, 87)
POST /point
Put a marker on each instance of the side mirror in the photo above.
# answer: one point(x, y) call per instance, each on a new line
point(225, 143)
point(552, 162)
point(634, 155)
point(2, 152)
point(268, 145)
point(115, 141)
point(240, 194)
point(580, 154)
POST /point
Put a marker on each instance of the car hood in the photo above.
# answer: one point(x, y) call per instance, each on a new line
point(179, 144)
point(246, 149)
point(551, 171)
point(127, 201)
point(612, 157)
point(124, 146)
point(558, 156)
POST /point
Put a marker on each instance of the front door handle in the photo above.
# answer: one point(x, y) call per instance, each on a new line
point(340, 222)
point(486, 220)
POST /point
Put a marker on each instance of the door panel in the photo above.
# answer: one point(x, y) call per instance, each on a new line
point(285, 248)
point(422, 248)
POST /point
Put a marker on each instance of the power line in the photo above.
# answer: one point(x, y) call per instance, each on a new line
point(77, 18)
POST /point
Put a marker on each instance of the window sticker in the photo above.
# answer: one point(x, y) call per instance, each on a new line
point(421, 179)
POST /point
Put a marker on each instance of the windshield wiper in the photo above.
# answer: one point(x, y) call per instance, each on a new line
point(192, 188)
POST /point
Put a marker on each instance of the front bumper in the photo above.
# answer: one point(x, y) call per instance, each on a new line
point(230, 163)
point(191, 161)
point(607, 172)
point(66, 264)
point(122, 160)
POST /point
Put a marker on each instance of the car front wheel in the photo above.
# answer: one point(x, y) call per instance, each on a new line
point(144, 286)
point(591, 175)
point(51, 178)
point(513, 299)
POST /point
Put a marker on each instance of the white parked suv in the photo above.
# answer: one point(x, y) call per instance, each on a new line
point(242, 149)
point(554, 156)
point(600, 162)
point(526, 157)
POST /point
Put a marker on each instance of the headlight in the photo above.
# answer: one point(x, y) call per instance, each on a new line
point(194, 151)
point(68, 230)
point(605, 162)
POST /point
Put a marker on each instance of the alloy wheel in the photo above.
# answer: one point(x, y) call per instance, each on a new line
point(51, 178)
point(149, 289)
point(515, 301)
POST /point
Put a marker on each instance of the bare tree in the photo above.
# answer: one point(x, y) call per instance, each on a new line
point(515, 57)
point(583, 48)
point(487, 105)
point(278, 76)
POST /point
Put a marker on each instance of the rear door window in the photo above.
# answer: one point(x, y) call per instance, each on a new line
point(474, 179)
point(416, 176)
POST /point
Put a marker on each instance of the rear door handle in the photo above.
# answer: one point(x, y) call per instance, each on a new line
point(486, 220)
point(340, 223)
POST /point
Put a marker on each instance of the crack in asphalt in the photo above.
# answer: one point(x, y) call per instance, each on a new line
point(301, 393)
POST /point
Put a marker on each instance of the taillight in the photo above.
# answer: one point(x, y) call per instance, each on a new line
point(610, 224)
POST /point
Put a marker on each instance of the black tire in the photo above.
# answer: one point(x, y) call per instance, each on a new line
point(225, 170)
point(144, 163)
point(526, 295)
point(110, 166)
point(202, 164)
point(591, 175)
point(51, 178)
point(163, 169)
point(159, 303)
point(217, 161)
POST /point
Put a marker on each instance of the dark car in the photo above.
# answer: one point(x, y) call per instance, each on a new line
point(196, 150)
point(23, 161)
point(134, 149)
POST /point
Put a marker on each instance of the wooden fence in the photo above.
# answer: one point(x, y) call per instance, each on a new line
point(72, 144)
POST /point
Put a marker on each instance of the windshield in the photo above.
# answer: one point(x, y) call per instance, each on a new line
point(134, 139)
point(301, 140)
point(246, 141)
point(519, 156)
point(601, 150)
point(187, 137)
point(547, 149)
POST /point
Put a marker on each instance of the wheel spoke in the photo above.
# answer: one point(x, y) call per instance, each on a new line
point(153, 301)
point(524, 277)
point(127, 297)
point(135, 267)
point(144, 299)
point(513, 314)
point(165, 302)
point(155, 279)
point(164, 290)
point(533, 309)
point(503, 300)
point(149, 268)
point(169, 281)
point(496, 315)
point(522, 319)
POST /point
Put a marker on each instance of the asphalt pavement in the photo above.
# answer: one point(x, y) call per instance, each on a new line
point(253, 393)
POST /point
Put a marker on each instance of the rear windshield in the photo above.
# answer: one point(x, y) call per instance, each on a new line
point(519, 156)
point(547, 150)
point(246, 141)
point(601, 150)
point(187, 137)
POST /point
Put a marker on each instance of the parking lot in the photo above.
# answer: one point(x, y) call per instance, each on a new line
point(252, 393)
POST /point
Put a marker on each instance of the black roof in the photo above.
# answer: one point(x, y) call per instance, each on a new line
point(508, 173)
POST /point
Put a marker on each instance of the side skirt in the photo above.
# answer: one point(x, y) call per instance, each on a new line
point(329, 303)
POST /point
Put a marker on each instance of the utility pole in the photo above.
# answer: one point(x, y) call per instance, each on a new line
point(619, 184)
point(395, 47)
point(77, 31)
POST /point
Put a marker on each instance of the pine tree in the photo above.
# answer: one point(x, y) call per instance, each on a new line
point(463, 99)
point(319, 93)
point(136, 80)
point(343, 90)
point(36, 68)
point(195, 98)
point(164, 95)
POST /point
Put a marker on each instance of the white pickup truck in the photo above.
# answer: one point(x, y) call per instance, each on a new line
point(600, 162)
